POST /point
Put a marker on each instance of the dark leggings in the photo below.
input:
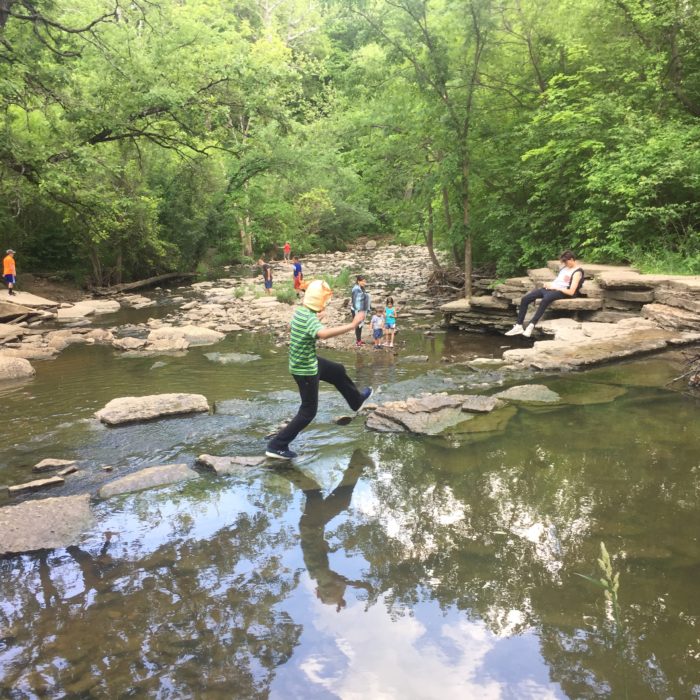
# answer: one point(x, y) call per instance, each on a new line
point(547, 296)
point(358, 329)
point(332, 372)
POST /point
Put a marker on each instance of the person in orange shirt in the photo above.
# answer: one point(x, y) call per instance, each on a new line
point(9, 271)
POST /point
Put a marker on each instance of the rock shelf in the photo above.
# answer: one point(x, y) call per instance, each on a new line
point(625, 313)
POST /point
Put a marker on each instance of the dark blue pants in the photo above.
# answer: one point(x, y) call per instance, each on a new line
point(547, 296)
point(332, 372)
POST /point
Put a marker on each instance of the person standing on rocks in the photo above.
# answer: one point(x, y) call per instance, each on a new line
point(298, 274)
point(359, 303)
point(308, 369)
point(567, 284)
point(9, 271)
point(390, 321)
point(267, 275)
point(287, 250)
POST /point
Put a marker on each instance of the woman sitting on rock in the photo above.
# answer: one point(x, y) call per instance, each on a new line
point(567, 284)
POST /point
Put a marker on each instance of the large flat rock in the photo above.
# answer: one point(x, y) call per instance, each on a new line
point(132, 409)
point(44, 524)
point(88, 307)
point(148, 478)
point(33, 301)
point(558, 354)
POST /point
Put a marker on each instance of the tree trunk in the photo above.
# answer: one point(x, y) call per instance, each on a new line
point(429, 238)
point(467, 232)
point(246, 238)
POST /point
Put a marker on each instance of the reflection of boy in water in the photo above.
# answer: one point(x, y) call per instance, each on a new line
point(318, 512)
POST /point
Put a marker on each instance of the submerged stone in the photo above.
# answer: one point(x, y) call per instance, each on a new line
point(229, 358)
point(148, 478)
point(586, 393)
point(529, 393)
point(44, 524)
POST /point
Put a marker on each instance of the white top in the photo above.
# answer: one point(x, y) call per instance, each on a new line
point(563, 280)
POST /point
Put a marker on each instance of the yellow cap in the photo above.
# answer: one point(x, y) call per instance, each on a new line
point(317, 295)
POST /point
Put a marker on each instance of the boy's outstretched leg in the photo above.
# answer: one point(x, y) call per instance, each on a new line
point(278, 446)
point(334, 373)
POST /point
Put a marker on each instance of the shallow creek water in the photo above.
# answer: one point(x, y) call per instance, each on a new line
point(381, 566)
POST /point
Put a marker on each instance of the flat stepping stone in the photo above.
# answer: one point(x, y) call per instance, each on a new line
point(48, 464)
point(148, 478)
point(529, 393)
point(35, 485)
point(44, 524)
point(131, 409)
point(229, 465)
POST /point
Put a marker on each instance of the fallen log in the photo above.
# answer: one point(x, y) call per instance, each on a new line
point(129, 286)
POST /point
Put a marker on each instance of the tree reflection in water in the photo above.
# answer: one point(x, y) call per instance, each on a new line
point(489, 533)
point(194, 614)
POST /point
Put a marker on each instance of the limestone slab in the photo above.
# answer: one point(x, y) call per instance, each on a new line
point(148, 478)
point(35, 485)
point(44, 524)
point(48, 464)
point(130, 409)
point(529, 393)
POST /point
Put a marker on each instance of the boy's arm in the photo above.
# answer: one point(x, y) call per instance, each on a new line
point(325, 333)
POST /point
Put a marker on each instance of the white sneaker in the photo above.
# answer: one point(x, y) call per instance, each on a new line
point(517, 329)
point(528, 331)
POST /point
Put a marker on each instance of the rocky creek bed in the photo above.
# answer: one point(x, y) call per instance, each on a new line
point(205, 313)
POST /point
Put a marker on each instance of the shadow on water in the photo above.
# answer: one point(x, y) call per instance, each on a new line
point(381, 565)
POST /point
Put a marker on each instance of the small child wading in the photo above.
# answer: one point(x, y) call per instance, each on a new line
point(308, 369)
point(390, 321)
point(267, 275)
point(377, 324)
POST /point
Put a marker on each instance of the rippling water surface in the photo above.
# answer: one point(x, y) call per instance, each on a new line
point(381, 566)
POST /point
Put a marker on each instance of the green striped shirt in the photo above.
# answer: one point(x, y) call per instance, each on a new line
point(302, 346)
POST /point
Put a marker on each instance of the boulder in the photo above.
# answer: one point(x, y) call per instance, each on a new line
point(148, 478)
point(44, 524)
point(130, 409)
point(480, 404)
point(194, 335)
point(429, 414)
point(100, 335)
point(129, 343)
point(228, 465)
point(12, 368)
